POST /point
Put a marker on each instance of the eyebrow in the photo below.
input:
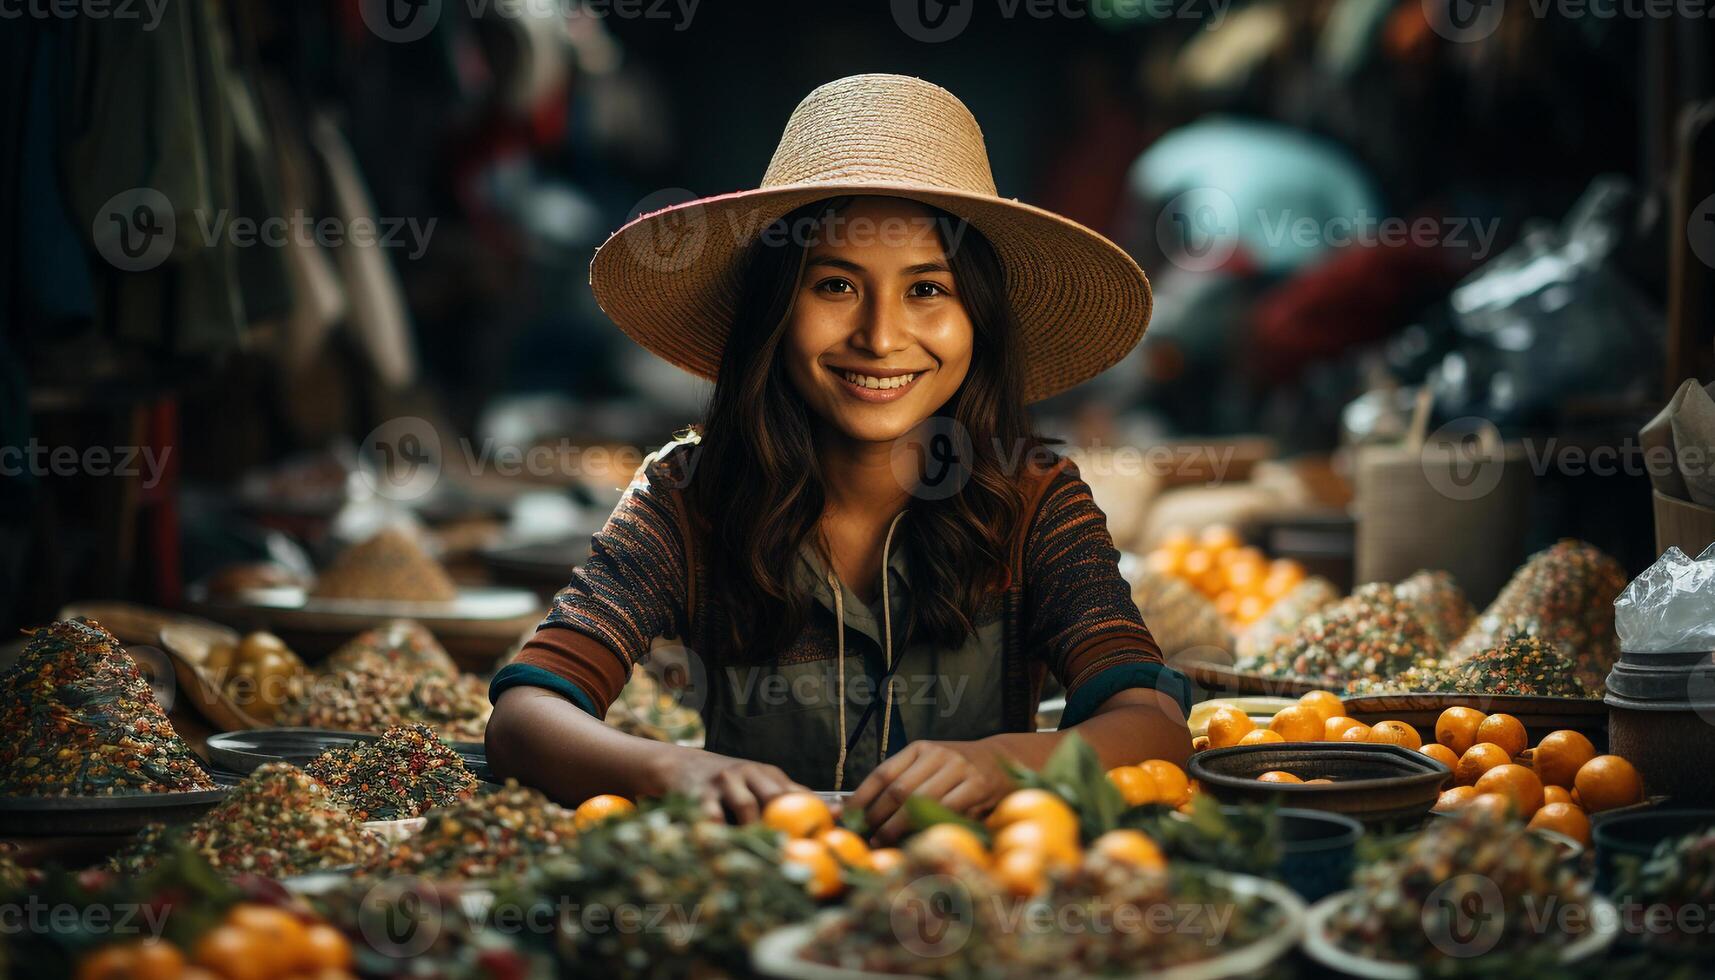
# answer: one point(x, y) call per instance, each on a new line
point(850, 266)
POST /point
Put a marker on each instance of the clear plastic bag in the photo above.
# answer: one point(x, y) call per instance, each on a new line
point(1670, 608)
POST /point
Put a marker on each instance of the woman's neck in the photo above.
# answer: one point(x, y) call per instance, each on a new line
point(858, 479)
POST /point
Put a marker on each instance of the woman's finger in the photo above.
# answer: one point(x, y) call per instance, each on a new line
point(881, 776)
point(740, 802)
point(890, 800)
point(942, 782)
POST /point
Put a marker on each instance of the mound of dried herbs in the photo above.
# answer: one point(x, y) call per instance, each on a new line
point(1439, 602)
point(1678, 879)
point(369, 692)
point(1370, 635)
point(1257, 644)
point(409, 771)
point(278, 822)
point(389, 566)
point(78, 718)
point(404, 643)
point(488, 835)
point(1526, 665)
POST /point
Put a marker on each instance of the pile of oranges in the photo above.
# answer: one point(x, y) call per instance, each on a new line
point(253, 942)
point(598, 808)
point(1319, 716)
point(1241, 582)
point(823, 851)
point(1555, 786)
point(1154, 781)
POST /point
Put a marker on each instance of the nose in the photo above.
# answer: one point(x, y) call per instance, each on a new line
point(883, 326)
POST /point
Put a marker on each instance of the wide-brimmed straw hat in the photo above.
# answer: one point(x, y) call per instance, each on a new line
point(670, 278)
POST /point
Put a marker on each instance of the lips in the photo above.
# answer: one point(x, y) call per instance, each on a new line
point(878, 381)
point(876, 386)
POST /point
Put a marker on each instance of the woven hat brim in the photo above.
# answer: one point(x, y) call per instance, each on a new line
point(670, 279)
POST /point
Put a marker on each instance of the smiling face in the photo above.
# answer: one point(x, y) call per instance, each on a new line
point(878, 339)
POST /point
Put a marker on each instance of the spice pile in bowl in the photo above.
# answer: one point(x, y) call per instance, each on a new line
point(1565, 595)
point(1371, 634)
point(408, 772)
point(1439, 602)
point(1526, 665)
point(78, 718)
point(393, 675)
point(278, 822)
point(390, 566)
point(487, 835)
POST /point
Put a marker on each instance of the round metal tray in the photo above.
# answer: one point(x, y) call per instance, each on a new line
point(244, 751)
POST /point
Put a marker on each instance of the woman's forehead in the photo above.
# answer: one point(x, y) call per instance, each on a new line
point(882, 232)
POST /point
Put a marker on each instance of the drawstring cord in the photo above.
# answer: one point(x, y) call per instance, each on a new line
point(887, 655)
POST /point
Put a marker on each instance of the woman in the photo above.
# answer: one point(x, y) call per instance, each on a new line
point(868, 562)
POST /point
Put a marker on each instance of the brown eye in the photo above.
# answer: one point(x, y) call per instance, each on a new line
point(834, 286)
point(926, 289)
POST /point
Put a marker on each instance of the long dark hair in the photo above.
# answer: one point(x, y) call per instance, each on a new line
point(758, 483)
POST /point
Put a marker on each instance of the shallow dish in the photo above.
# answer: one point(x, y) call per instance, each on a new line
point(243, 751)
point(1321, 946)
point(1374, 784)
point(69, 816)
point(779, 953)
point(1587, 716)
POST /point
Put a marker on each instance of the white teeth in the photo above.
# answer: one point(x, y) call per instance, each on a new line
point(870, 381)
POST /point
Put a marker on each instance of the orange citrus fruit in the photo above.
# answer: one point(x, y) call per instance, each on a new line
point(1053, 843)
point(1457, 728)
point(1261, 736)
point(1555, 794)
point(1517, 783)
point(815, 858)
point(943, 839)
point(233, 952)
point(884, 859)
point(1338, 725)
point(598, 808)
point(1327, 704)
point(1034, 804)
point(1440, 753)
point(1022, 872)
point(798, 814)
point(1478, 759)
point(1560, 755)
point(1498, 806)
point(846, 846)
point(1357, 733)
point(1170, 781)
point(1219, 537)
point(117, 962)
point(1136, 786)
point(1319, 780)
point(1606, 782)
point(281, 932)
point(1276, 776)
point(1453, 799)
point(326, 948)
point(1563, 818)
point(1396, 733)
point(1298, 724)
point(1227, 725)
point(1129, 847)
point(1504, 730)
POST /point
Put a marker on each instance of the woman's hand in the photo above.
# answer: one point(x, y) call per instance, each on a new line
point(735, 789)
point(965, 777)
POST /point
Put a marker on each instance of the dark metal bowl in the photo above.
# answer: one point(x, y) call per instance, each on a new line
point(1377, 785)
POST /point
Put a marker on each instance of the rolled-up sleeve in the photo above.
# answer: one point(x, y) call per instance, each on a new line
point(1082, 620)
point(630, 590)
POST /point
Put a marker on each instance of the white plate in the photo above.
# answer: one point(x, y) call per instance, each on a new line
point(1320, 946)
point(394, 831)
point(777, 954)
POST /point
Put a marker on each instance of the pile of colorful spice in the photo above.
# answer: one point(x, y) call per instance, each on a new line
point(370, 693)
point(1275, 628)
point(1664, 899)
point(278, 822)
point(1417, 907)
point(645, 709)
point(1522, 665)
point(488, 835)
point(77, 718)
point(1564, 594)
point(403, 643)
point(718, 888)
point(1370, 635)
point(389, 566)
point(406, 773)
point(1183, 622)
point(1439, 602)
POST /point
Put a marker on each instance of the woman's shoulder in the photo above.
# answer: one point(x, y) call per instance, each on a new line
point(668, 470)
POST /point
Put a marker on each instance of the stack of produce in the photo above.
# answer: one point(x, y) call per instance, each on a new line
point(394, 675)
point(389, 566)
point(1371, 634)
point(720, 888)
point(1440, 602)
point(409, 771)
point(1178, 616)
point(1565, 595)
point(77, 718)
point(255, 673)
point(278, 822)
point(1276, 626)
point(1522, 665)
point(1241, 582)
point(487, 835)
point(1416, 908)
